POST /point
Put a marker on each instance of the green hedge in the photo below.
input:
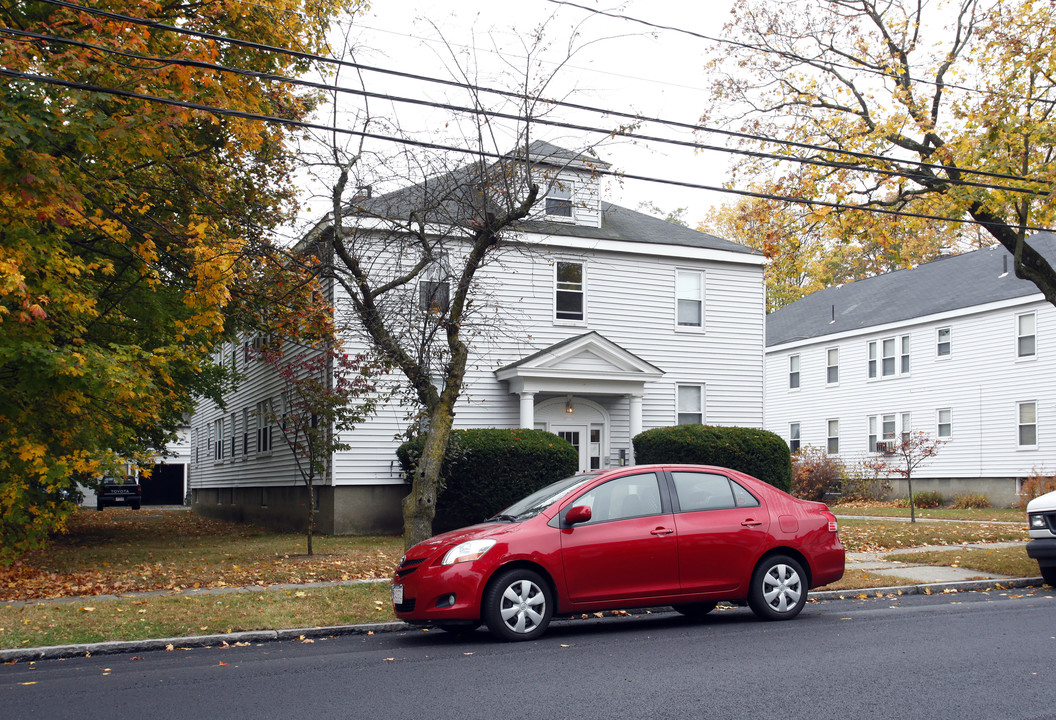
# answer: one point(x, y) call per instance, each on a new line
point(758, 453)
point(486, 470)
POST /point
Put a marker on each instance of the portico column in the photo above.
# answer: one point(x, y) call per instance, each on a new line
point(527, 410)
point(636, 421)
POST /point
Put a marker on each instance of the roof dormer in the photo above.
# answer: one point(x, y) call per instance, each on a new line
point(570, 185)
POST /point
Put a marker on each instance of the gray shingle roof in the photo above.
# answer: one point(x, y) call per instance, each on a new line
point(949, 283)
point(452, 198)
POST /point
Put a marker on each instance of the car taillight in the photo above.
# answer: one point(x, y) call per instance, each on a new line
point(833, 525)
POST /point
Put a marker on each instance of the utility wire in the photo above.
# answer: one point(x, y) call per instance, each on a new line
point(908, 174)
point(520, 97)
point(480, 153)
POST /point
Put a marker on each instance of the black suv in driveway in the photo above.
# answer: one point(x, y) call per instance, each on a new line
point(119, 491)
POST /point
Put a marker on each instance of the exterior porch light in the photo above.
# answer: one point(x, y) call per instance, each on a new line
point(568, 405)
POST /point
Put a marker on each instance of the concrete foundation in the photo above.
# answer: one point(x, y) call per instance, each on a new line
point(1000, 491)
point(350, 510)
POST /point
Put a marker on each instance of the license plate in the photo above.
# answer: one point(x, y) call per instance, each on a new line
point(397, 594)
point(119, 498)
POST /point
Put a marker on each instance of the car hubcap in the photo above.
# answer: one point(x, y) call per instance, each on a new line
point(782, 588)
point(523, 606)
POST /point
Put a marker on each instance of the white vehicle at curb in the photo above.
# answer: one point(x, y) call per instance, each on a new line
point(1041, 519)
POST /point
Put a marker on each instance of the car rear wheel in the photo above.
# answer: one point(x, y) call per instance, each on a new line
point(779, 588)
point(518, 605)
point(695, 611)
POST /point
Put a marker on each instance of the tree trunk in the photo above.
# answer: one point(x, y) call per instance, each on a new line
point(419, 507)
point(311, 514)
point(912, 510)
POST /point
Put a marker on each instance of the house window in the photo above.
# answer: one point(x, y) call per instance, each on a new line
point(245, 432)
point(833, 445)
point(690, 404)
point(264, 426)
point(559, 199)
point(218, 439)
point(1026, 339)
point(434, 291)
point(690, 301)
point(234, 435)
point(893, 356)
point(1028, 424)
point(943, 346)
point(569, 298)
point(832, 366)
point(884, 430)
point(907, 424)
point(793, 372)
point(945, 424)
point(793, 437)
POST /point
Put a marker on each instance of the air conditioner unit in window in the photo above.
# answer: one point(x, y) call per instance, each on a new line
point(887, 447)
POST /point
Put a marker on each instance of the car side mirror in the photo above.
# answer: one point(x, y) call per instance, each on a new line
point(578, 514)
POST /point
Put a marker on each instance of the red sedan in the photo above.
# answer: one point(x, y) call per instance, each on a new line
point(686, 536)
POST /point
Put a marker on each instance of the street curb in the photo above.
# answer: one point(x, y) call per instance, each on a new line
point(55, 652)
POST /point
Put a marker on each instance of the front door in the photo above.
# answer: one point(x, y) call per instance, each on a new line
point(577, 436)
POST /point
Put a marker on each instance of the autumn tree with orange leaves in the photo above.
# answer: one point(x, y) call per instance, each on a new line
point(129, 229)
point(938, 112)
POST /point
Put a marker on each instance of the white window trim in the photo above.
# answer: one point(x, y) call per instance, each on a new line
point(830, 383)
point(1019, 405)
point(1026, 358)
point(877, 346)
point(829, 437)
point(561, 184)
point(938, 342)
point(939, 423)
point(703, 306)
point(553, 279)
point(798, 372)
point(678, 396)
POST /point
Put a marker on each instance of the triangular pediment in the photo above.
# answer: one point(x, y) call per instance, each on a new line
point(588, 358)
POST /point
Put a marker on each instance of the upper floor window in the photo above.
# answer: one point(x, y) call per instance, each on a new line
point(943, 346)
point(793, 372)
point(793, 437)
point(832, 366)
point(1028, 424)
point(888, 357)
point(264, 419)
point(690, 405)
point(1026, 337)
point(690, 300)
point(559, 200)
point(434, 291)
point(570, 293)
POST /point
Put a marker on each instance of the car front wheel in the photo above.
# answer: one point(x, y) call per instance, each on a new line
point(779, 588)
point(518, 605)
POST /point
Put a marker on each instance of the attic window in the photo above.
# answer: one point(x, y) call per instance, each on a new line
point(559, 200)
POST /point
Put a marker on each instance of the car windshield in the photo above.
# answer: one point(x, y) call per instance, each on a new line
point(540, 500)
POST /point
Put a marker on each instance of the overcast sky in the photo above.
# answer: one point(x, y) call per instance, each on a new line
point(621, 65)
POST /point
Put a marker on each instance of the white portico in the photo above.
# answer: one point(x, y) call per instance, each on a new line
point(562, 387)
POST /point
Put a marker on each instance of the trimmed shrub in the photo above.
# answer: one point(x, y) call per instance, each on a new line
point(486, 470)
point(755, 452)
point(970, 501)
point(814, 473)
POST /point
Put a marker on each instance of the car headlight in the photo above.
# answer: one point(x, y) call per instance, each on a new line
point(1037, 522)
point(467, 552)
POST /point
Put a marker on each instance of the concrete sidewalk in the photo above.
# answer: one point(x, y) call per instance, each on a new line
point(878, 564)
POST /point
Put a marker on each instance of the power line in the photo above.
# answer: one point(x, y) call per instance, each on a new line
point(909, 174)
point(480, 153)
point(517, 96)
point(792, 56)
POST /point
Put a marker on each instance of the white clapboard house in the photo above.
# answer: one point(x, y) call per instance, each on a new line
point(959, 348)
point(612, 322)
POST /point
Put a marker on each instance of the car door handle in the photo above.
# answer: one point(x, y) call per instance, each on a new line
point(661, 531)
point(751, 523)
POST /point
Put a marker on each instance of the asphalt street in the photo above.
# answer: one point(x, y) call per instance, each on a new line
point(961, 655)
